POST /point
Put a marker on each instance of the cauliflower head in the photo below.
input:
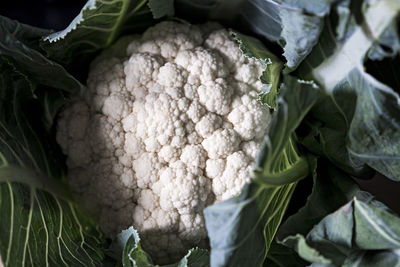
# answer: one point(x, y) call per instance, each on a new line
point(170, 123)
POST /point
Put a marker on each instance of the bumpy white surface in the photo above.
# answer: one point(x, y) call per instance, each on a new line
point(163, 132)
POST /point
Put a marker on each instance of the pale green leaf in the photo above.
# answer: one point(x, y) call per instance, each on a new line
point(253, 48)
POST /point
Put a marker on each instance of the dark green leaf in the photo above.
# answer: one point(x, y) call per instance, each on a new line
point(19, 44)
point(281, 256)
point(40, 225)
point(41, 229)
point(373, 258)
point(161, 8)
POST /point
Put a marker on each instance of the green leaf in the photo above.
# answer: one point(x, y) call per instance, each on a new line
point(41, 229)
point(40, 225)
point(133, 255)
point(196, 258)
point(161, 8)
point(280, 256)
point(97, 26)
point(19, 44)
point(346, 228)
point(127, 249)
point(253, 48)
point(328, 181)
point(350, 235)
point(241, 229)
point(308, 253)
point(279, 162)
point(357, 124)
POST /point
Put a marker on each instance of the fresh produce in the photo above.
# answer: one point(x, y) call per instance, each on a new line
point(139, 137)
point(163, 131)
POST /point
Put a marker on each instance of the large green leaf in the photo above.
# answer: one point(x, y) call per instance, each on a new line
point(97, 26)
point(242, 228)
point(19, 45)
point(357, 124)
point(40, 225)
point(126, 248)
point(346, 227)
point(328, 181)
point(352, 234)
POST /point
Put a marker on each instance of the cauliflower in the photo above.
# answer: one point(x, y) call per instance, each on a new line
point(165, 129)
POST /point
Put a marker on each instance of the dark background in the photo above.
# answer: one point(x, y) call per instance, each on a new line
point(57, 14)
point(50, 14)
